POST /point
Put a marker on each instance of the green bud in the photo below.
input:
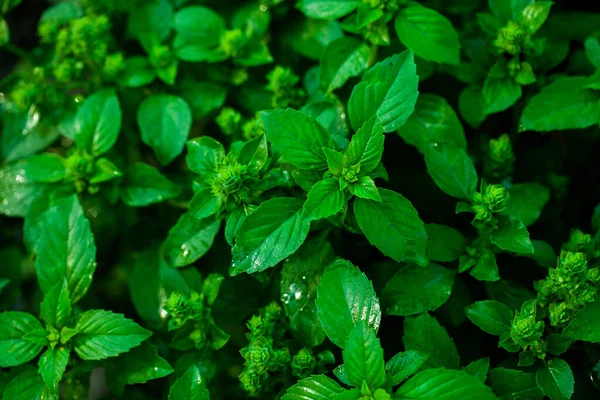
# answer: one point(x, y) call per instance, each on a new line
point(350, 173)
point(303, 363)
point(578, 241)
point(501, 158)
point(229, 120)
point(525, 76)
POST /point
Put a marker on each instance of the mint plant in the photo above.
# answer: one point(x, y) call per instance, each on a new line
point(309, 200)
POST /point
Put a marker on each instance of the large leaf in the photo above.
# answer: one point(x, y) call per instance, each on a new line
point(189, 239)
point(363, 358)
point(103, 334)
point(452, 170)
point(585, 325)
point(564, 104)
point(441, 384)
point(66, 249)
point(316, 387)
point(28, 385)
point(414, 289)
point(387, 90)
point(428, 34)
point(190, 386)
point(324, 200)
point(434, 121)
point(404, 364)
point(328, 9)
point(145, 185)
point(268, 235)
point(345, 297)
point(199, 30)
point(444, 243)
point(15, 349)
point(512, 384)
point(425, 334)
point(299, 138)
point(393, 226)
point(343, 59)
point(98, 122)
point(491, 316)
point(165, 121)
point(556, 380)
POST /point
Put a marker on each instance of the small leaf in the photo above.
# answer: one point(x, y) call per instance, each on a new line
point(98, 122)
point(365, 189)
point(452, 170)
point(324, 200)
point(52, 366)
point(491, 316)
point(366, 146)
point(526, 201)
point(15, 349)
point(190, 386)
point(363, 358)
point(205, 154)
point(500, 91)
point(103, 334)
point(479, 369)
point(404, 364)
point(328, 9)
point(164, 121)
point(56, 307)
point(514, 237)
point(556, 380)
point(345, 296)
point(189, 239)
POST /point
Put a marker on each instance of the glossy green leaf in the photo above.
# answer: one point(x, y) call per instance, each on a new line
point(404, 364)
point(139, 365)
point(441, 384)
point(343, 59)
point(363, 358)
point(189, 239)
point(585, 325)
point(324, 200)
point(512, 384)
point(98, 122)
point(316, 387)
point(52, 365)
point(190, 386)
point(56, 307)
point(444, 243)
point(145, 185)
point(366, 146)
point(452, 170)
point(328, 9)
point(513, 236)
point(491, 316)
point(556, 380)
point(15, 349)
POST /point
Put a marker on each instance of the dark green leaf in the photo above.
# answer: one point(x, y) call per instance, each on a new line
point(343, 59)
point(491, 316)
point(145, 185)
point(189, 239)
point(426, 335)
point(441, 384)
point(452, 170)
point(444, 243)
point(555, 379)
point(511, 384)
point(56, 307)
point(190, 386)
point(513, 236)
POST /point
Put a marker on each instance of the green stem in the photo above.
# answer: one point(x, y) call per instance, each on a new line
point(16, 50)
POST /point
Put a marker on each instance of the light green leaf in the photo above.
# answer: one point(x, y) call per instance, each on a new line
point(387, 90)
point(145, 185)
point(52, 366)
point(190, 386)
point(324, 200)
point(434, 121)
point(204, 156)
point(365, 189)
point(103, 334)
point(98, 122)
point(512, 384)
point(164, 121)
point(556, 380)
point(404, 364)
point(424, 333)
point(452, 170)
point(104, 171)
point(414, 290)
point(343, 59)
point(299, 138)
point(42, 168)
point(66, 249)
point(14, 348)
point(441, 384)
point(328, 9)
point(56, 307)
point(268, 235)
point(535, 14)
point(254, 154)
point(513, 236)
point(345, 296)
point(428, 34)
point(363, 358)
point(500, 91)
point(137, 72)
point(585, 325)
point(491, 316)
point(564, 104)
point(316, 387)
point(393, 226)
point(444, 243)
point(189, 239)
point(366, 146)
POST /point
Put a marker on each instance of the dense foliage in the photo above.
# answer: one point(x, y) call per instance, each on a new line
point(299, 200)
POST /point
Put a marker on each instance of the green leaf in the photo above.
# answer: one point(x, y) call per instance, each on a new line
point(365, 189)
point(299, 138)
point(137, 72)
point(316, 387)
point(428, 34)
point(343, 59)
point(17, 192)
point(15, 349)
point(328, 9)
point(345, 297)
point(393, 226)
point(556, 380)
point(199, 30)
point(203, 97)
point(43, 168)
point(363, 358)
point(534, 15)
point(164, 121)
point(335, 161)
point(151, 22)
point(512, 384)
point(564, 104)
point(145, 185)
point(366, 146)
point(404, 364)
point(189, 239)
point(452, 170)
point(585, 325)
point(491, 316)
point(513, 236)
point(434, 121)
point(414, 290)
point(254, 154)
point(66, 249)
point(52, 366)
point(526, 201)
point(444, 243)
point(440, 384)
point(387, 90)
point(104, 171)
point(190, 386)
point(28, 385)
point(139, 365)
point(204, 156)
point(471, 106)
point(592, 51)
point(423, 333)
point(268, 235)
point(56, 307)
point(500, 91)
point(479, 369)
point(98, 122)
point(103, 334)
point(324, 200)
